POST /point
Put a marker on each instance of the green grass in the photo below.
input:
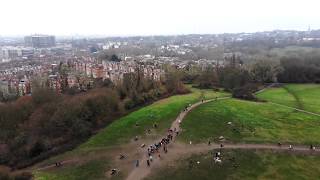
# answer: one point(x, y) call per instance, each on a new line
point(251, 122)
point(304, 96)
point(162, 112)
point(278, 95)
point(245, 165)
point(94, 169)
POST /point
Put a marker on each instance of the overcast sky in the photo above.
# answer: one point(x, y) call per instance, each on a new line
point(154, 17)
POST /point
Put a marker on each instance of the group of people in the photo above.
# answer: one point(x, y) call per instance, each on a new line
point(186, 108)
point(156, 147)
point(217, 158)
point(58, 164)
point(312, 147)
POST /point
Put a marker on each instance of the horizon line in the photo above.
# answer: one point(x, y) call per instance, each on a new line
point(149, 35)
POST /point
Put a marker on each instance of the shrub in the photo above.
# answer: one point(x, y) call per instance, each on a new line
point(245, 92)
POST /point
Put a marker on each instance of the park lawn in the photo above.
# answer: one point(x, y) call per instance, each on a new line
point(93, 169)
point(308, 95)
point(210, 94)
point(252, 122)
point(90, 155)
point(162, 113)
point(280, 96)
point(304, 96)
point(245, 165)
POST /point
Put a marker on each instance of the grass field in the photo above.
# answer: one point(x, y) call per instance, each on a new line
point(304, 96)
point(94, 169)
point(121, 131)
point(240, 164)
point(251, 122)
point(162, 113)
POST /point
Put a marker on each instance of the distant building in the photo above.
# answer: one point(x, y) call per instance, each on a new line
point(4, 87)
point(11, 52)
point(24, 87)
point(54, 83)
point(40, 41)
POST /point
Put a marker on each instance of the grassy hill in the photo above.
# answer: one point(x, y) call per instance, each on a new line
point(304, 96)
point(241, 164)
point(95, 157)
point(161, 113)
point(251, 122)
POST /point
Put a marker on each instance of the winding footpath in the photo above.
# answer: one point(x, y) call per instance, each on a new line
point(175, 149)
point(143, 170)
point(296, 109)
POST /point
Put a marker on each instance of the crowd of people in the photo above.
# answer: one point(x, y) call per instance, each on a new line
point(155, 149)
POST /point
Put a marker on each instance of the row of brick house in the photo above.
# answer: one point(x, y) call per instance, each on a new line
point(15, 87)
point(115, 70)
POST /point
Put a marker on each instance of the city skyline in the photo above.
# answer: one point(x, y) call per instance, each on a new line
point(142, 17)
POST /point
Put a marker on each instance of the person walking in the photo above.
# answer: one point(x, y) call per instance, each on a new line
point(290, 147)
point(148, 163)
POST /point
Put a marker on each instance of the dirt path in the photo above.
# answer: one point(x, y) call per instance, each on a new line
point(143, 170)
point(293, 108)
point(265, 88)
point(54, 165)
point(300, 110)
point(178, 149)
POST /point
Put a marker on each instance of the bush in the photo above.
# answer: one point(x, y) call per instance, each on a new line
point(37, 149)
point(129, 104)
point(245, 92)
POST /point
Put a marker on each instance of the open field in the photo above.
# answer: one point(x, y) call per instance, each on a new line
point(250, 122)
point(162, 113)
point(95, 157)
point(242, 164)
point(94, 169)
point(303, 96)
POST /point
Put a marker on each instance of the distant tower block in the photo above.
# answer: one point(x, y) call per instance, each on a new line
point(40, 41)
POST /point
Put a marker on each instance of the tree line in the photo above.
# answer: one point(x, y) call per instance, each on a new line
point(244, 79)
